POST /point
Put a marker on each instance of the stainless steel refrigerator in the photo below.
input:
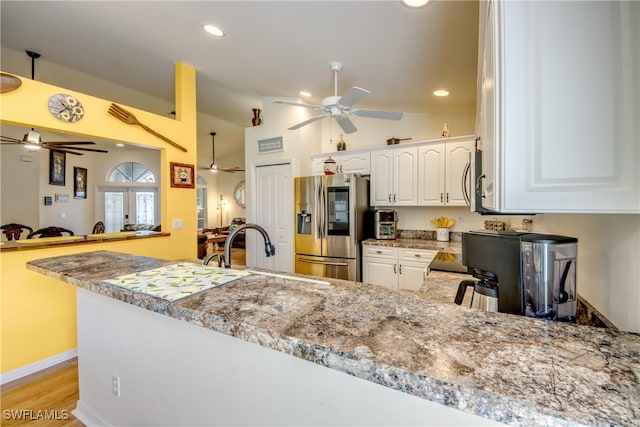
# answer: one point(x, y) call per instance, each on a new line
point(330, 212)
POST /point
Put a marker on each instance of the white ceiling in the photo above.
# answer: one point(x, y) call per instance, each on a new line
point(270, 49)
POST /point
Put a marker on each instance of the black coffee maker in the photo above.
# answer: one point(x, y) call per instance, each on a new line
point(529, 274)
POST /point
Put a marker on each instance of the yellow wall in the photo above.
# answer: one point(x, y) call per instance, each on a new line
point(38, 313)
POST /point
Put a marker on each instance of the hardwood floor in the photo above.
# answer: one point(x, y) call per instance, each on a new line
point(43, 399)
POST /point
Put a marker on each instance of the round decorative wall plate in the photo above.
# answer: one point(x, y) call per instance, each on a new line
point(66, 107)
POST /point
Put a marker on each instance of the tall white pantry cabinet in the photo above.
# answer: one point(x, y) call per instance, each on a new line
point(558, 112)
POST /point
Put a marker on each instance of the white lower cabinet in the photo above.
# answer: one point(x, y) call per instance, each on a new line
point(395, 268)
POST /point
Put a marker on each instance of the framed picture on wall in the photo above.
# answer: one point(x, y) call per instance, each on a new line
point(57, 165)
point(182, 175)
point(79, 183)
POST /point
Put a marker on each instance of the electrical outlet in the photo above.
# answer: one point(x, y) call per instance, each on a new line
point(115, 385)
point(460, 220)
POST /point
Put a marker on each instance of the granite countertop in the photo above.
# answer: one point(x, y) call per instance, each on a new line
point(512, 369)
point(454, 247)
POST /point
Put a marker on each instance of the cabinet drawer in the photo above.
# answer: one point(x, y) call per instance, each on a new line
point(417, 255)
point(380, 252)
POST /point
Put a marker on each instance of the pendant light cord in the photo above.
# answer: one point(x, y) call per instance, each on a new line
point(33, 56)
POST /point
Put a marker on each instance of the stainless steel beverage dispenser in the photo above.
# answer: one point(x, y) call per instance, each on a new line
point(549, 276)
point(533, 274)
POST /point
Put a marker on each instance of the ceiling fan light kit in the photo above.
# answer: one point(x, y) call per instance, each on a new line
point(213, 167)
point(339, 107)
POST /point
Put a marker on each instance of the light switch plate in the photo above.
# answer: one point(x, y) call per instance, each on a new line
point(177, 224)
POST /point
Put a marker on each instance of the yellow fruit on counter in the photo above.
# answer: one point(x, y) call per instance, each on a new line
point(443, 222)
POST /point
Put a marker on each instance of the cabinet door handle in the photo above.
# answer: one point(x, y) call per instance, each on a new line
point(378, 252)
point(417, 255)
point(394, 198)
point(389, 197)
point(400, 268)
point(394, 269)
point(441, 197)
point(447, 197)
point(479, 186)
point(465, 177)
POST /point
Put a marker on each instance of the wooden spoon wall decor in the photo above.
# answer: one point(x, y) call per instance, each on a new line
point(127, 117)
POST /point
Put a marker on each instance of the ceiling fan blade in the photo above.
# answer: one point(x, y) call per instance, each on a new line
point(62, 147)
point(311, 120)
point(354, 95)
point(231, 169)
point(346, 124)
point(63, 150)
point(297, 104)
point(69, 143)
point(377, 114)
point(10, 139)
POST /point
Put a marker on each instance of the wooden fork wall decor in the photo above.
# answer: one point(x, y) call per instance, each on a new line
point(121, 114)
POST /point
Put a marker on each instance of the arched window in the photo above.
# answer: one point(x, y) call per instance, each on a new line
point(131, 172)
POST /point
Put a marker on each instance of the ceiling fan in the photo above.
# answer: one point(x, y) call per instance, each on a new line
point(340, 107)
point(33, 141)
point(213, 167)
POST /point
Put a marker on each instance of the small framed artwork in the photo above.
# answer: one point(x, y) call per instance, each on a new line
point(182, 175)
point(270, 145)
point(57, 160)
point(79, 183)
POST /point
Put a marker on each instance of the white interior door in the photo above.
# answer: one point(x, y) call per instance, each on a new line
point(274, 212)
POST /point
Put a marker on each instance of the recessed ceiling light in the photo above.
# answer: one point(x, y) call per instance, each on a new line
point(415, 3)
point(213, 30)
point(441, 92)
point(119, 144)
point(305, 93)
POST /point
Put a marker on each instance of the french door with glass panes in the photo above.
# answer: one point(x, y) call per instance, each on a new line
point(128, 205)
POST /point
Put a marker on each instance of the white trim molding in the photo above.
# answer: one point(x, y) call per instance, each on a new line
point(37, 366)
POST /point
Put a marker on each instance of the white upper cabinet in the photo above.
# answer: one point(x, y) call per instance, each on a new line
point(357, 162)
point(559, 106)
point(444, 173)
point(394, 177)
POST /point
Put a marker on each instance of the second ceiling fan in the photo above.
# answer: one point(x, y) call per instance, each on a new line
point(339, 107)
point(213, 167)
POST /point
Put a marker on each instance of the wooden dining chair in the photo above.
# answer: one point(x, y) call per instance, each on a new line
point(13, 231)
point(49, 232)
point(98, 228)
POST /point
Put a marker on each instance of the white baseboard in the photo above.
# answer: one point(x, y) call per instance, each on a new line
point(37, 366)
point(86, 416)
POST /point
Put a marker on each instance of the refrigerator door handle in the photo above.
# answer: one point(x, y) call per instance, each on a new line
point(318, 206)
point(337, 264)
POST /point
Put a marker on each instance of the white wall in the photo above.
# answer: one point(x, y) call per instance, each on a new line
point(19, 196)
